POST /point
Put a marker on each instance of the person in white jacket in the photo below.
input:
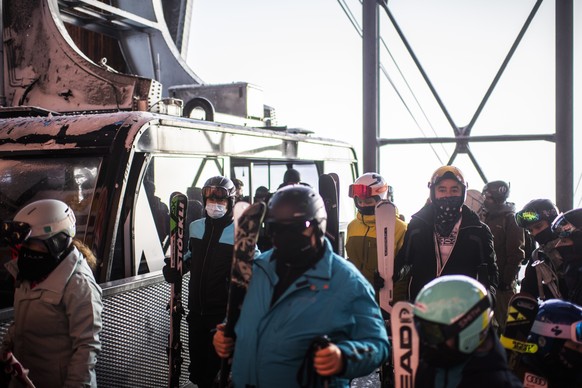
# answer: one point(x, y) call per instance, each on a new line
point(57, 303)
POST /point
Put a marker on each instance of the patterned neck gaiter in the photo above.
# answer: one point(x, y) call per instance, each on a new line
point(447, 212)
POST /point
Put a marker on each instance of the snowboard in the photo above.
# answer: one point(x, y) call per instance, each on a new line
point(521, 314)
point(246, 233)
point(385, 225)
point(328, 189)
point(405, 343)
point(178, 210)
point(474, 201)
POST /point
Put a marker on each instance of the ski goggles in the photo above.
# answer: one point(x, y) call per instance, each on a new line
point(358, 190)
point(215, 192)
point(525, 218)
point(291, 227)
point(572, 332)
point(434, 333)
point(13, 233)
point(562, 227)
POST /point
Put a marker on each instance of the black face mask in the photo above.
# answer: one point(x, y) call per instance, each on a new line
point(447, 212)
point(545, 236)
point(294, 249)
point(442, 356)
point(572, 252)
point(35, 266)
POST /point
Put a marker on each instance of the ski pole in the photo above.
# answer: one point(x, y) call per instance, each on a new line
point(322, 342)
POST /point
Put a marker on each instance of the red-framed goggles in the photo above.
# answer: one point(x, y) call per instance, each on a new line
point(525, 218)
point(359, 190)
point(572, 332)
point(562, 227)
point(215, 192)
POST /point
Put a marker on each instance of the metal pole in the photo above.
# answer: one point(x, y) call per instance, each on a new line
point(371, 75)
point(564, 104)
point(2, 95)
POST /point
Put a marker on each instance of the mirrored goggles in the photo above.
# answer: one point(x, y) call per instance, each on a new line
point(525, 218)
point(215, 192)
point(14, 233)
point(358, 190)
point(562, 227)
point(572, 332)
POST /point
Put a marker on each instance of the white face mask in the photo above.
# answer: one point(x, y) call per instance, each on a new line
point(215, 210)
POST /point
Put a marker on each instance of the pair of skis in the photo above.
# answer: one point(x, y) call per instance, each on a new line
point(178, 211)
point(247, 225)
point(329, 191)
point(403, 333)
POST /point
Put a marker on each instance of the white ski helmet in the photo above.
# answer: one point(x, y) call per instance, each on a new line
point(47, 218)
point(369, 185)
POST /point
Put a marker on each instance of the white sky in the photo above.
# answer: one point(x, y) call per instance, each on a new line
point(307, 57)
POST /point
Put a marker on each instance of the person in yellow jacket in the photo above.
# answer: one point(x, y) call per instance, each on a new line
point(361, 250)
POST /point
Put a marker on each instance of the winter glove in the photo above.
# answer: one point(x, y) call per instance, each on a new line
point(378, 281)
point(171, 275)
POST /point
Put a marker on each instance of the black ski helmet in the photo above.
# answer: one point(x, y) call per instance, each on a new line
point(568, 222)
point(297, 203)
point(219, 187)
point(536, 210)
point(498, 190)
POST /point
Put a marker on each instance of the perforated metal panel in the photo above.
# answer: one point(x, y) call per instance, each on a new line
point(135, 335)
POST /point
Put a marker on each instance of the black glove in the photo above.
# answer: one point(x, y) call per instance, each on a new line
point(378, 281)
point(171, 275)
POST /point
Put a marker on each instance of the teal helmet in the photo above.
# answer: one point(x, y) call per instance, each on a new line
point(453, 307)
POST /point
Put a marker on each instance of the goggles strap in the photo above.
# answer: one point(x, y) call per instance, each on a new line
point(461, 323)
point(555, 330)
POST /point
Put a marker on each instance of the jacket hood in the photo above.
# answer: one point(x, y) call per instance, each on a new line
point(501, 208)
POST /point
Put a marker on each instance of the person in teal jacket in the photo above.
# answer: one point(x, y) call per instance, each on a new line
point(301, 291)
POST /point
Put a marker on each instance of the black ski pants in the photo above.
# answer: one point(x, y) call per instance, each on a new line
point(204, 362)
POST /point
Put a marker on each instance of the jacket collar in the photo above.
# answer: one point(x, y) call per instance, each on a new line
point(58, 278)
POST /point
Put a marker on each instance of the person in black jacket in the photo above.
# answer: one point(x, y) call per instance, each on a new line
point(544, 274)
point(209, 260)
point(508, 238)
point(458, 345)
point(445, 237)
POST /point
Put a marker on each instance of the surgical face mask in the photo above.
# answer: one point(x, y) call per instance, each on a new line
point(215, 210)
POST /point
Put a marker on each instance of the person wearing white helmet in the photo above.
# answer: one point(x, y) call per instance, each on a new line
point(367, 191)
point(446, 238)
point(57, 303)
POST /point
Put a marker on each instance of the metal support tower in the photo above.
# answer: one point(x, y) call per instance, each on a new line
point(563, 136)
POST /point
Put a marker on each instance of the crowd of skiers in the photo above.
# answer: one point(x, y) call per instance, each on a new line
point(310, 317)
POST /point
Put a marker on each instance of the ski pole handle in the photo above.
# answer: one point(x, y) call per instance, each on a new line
point(322, 342)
